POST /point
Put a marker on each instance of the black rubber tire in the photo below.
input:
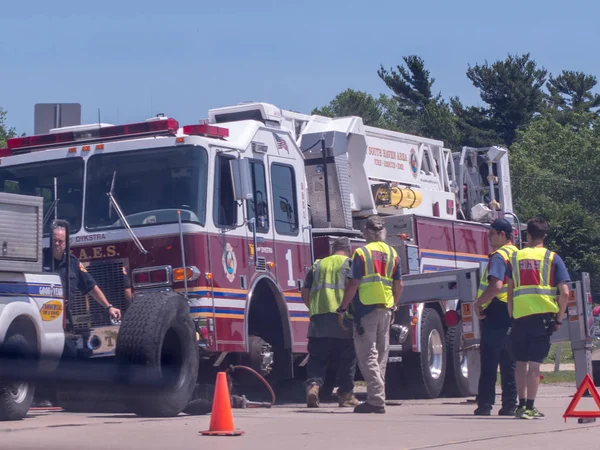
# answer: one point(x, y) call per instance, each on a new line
point(157, 355)
point(16, 346)
point(456, 384)
point(420, 383)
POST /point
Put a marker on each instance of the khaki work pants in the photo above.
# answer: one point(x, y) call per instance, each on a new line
point(372, 349)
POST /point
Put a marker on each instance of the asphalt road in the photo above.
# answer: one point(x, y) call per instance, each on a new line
point(440, 423)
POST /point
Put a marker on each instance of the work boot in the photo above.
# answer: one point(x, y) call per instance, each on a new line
point(367, 408)
point(347, 400)
point(312, 396)
point(507, 411)
point(482, 411)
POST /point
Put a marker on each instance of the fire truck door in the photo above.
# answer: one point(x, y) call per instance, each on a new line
point(292, 253)
point(258, 209)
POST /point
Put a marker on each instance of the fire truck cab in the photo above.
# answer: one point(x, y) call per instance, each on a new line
point(217, 223)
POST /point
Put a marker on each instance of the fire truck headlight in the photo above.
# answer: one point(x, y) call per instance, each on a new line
point(152, 276)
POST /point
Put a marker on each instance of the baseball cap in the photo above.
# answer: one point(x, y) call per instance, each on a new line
point(375, 223)
point(502, 225)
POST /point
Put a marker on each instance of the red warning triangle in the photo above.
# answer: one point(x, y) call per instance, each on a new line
point(586, 385)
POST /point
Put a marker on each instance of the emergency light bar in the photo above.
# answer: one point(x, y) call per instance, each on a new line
point(155, 127)
point(206, 130)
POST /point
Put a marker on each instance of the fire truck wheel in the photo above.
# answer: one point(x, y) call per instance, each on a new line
point(157, 355)
point(425, 371)
point(15, 396)
point(457, 382)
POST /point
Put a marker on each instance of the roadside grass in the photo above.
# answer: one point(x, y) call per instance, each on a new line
point(563, 376)
point(566, 354)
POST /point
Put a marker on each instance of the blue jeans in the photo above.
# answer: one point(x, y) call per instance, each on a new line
point(323, 352)
point(495, 350)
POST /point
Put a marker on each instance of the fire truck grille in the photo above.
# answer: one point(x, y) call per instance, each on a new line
point(87, 312)
point(261, 264)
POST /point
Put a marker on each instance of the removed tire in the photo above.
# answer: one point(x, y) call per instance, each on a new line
point(457, 382)
point(16, 396)
point(426, 371)
point(157, 355)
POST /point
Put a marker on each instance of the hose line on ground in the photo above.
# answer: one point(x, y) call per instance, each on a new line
point(232, 369)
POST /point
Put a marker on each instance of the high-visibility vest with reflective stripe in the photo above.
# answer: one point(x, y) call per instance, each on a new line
point(376, 287)
point(506, 252)
point(329, 278)
point(533, 293)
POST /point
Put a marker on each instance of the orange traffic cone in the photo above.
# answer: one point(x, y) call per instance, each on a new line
point(221, 419)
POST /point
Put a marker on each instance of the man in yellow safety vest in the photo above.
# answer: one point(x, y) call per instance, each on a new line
point(377, 276)
point(492, 309)
point(328, 340)
point(536, 274)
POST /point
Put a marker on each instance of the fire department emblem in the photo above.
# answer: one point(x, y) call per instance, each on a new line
point(413, 162)
point(229, 262)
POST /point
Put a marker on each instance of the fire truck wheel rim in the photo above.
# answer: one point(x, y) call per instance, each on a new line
point(464, 366)
point(18, 391)
point(435, 351)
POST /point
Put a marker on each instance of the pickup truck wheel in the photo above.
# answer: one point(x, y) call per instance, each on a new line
point(15, 396)
point(426, 370)
point(157, 355)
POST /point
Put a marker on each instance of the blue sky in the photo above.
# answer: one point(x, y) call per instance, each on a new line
point(133, 59)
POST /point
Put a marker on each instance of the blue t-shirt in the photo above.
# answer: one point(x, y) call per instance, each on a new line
point(497, 267)
point(558, 273)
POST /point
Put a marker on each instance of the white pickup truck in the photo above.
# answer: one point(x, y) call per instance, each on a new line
point(31, 305)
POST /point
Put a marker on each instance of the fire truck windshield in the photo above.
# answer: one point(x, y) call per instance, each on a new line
point(38, 179)
point(150, 186)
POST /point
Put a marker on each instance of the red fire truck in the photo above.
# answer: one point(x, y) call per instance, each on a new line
point(217, 223)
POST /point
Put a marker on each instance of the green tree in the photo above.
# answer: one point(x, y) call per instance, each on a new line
point(411, 85)
point(5, 132)
point(418, 110)
point(513, 91)
point(474, 125)
point(553, 172)
point(571, 91)
point(354, 103)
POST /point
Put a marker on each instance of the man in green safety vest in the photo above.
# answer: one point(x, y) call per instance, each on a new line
point(329, 339)
point(535, 275)
point(377, 277)
point(492, 309)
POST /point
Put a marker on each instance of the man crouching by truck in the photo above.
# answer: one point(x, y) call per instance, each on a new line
point(377, 276)
point(328, 340)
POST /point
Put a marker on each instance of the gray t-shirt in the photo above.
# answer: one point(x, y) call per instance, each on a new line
point(327, 325)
